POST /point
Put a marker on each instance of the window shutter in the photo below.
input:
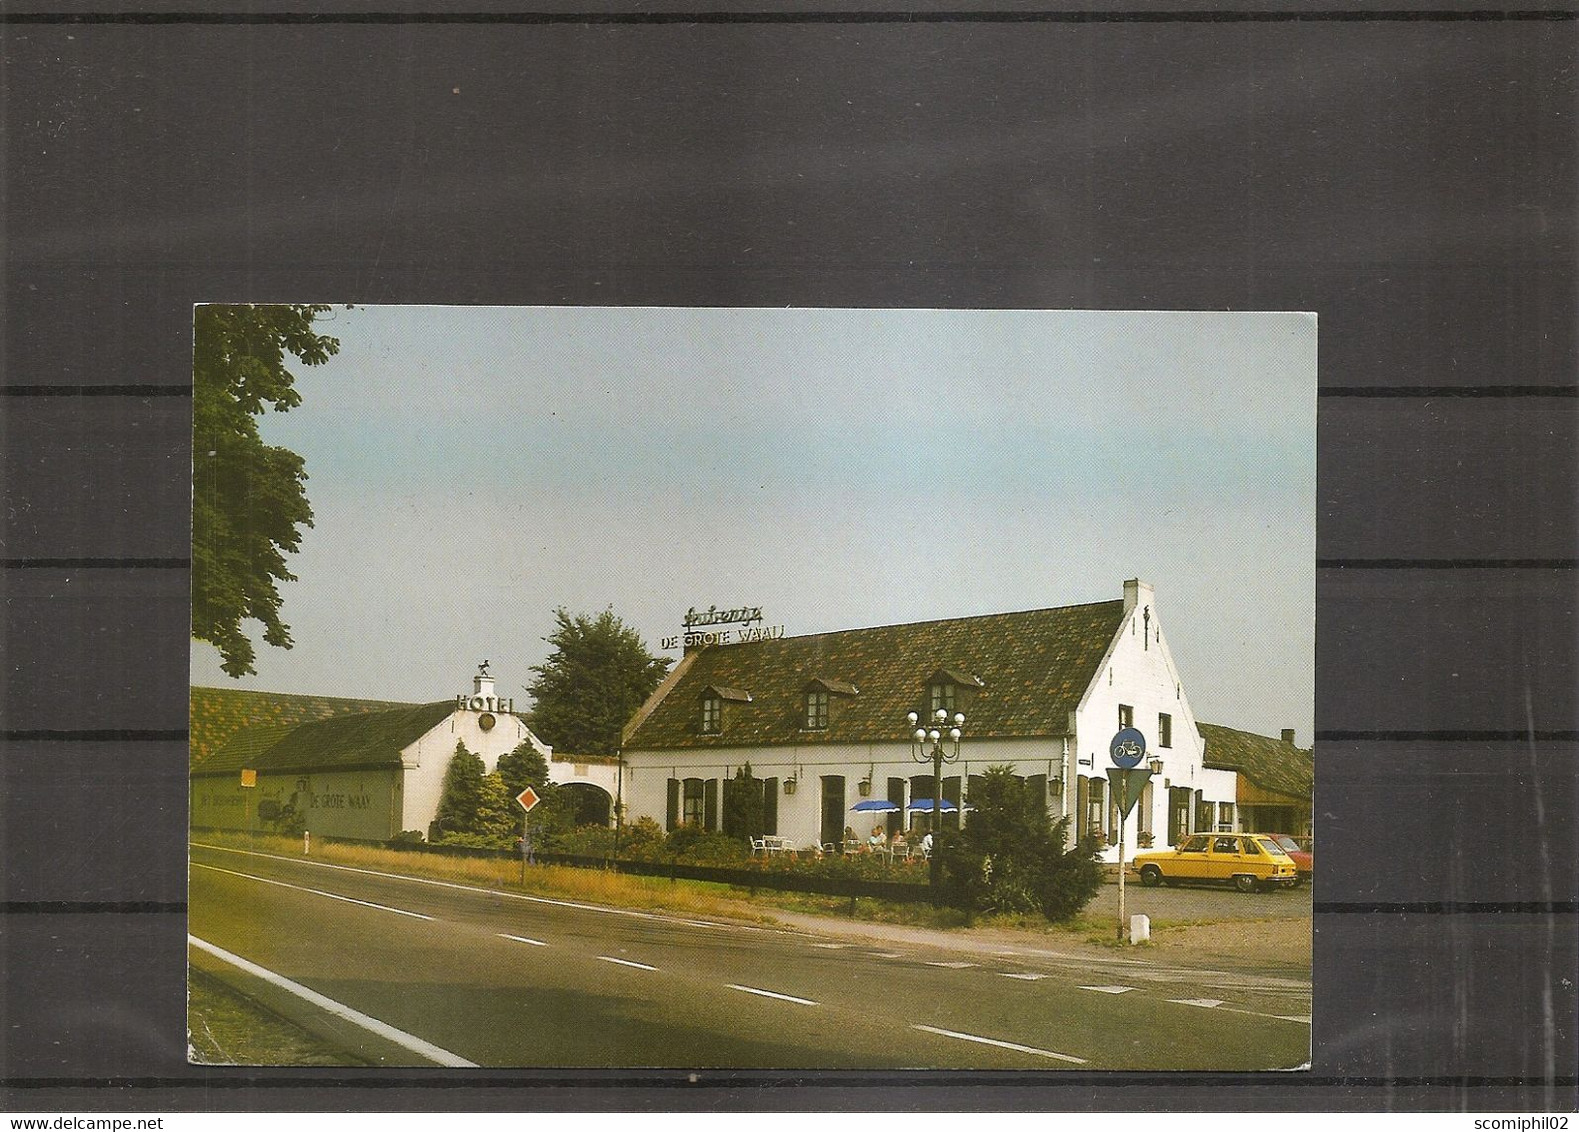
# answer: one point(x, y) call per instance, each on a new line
point(770, 806)
point(672, 816)
point(710, 805)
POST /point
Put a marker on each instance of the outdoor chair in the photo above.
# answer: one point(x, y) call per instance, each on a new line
point(759, 845)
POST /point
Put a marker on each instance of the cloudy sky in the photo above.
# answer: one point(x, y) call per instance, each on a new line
point(472, 468)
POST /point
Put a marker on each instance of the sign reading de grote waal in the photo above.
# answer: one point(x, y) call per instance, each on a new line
point(744, 615)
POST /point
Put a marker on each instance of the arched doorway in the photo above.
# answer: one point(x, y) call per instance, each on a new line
point(592, 804)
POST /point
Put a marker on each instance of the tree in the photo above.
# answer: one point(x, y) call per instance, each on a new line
point(249, 502)
point(497, 811)
point(599, 673)
point(523, 767)
point(518, 769)
point(460, 795)
point(743, 805)
point(1010, 856)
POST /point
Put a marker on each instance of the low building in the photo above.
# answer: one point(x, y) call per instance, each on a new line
point(359, 769)
point(821, 723)
point(1275, 779)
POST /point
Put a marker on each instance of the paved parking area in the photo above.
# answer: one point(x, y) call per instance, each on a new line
point(1182, 905)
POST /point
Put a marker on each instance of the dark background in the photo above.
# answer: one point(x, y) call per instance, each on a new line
point(1410, 175)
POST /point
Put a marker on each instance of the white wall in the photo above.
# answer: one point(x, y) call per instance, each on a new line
point(800, 814)
point(1140, 672)
point(429, 757)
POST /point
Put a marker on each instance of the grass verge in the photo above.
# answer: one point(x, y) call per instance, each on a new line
point(225, 1027)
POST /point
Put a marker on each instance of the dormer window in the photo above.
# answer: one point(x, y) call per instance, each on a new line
point(943, 696)
point(947, 690)
point(816, 709)
point(713, 699)
point(819, 693)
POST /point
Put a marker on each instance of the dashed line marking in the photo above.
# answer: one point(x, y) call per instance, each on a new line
point(886, 954)
point(772, 994)
point(953, 965)
point(523, 939)
point(1218, 1004)
point(831, 946)
point(314, 891)
point(1028, 976)
point(1109, 990)
point(1000, 1044)
point(415, 1044)
point(627, 963)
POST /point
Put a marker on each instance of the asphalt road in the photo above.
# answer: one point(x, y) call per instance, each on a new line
point(404, 971)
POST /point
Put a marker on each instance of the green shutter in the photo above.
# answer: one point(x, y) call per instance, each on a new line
point(710, 805)
point(672, 817)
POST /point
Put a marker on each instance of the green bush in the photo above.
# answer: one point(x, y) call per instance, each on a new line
point(1010, 857)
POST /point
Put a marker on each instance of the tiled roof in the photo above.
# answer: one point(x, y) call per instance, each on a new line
point(1271, 764)
point(358, 739)
point(1033, 668)
point(218, 714)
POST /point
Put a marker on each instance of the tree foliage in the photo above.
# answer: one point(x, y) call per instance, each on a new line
point(249, 501)
point(524, 766)
point(460, 796)
point(1010, 857)
point(744, 808)
point(599, 673)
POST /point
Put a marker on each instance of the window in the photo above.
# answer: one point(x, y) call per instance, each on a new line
point(1225, 815)
point(817, 710)
point(712, 714)
point(943, 696)
point(695, 808)
point(1126, 715)
point(1164, 729)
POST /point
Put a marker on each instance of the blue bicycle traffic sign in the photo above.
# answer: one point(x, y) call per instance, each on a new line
point(1127, 748)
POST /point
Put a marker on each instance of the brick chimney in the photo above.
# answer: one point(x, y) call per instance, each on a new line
point(1288, 736)
point(1137, 593)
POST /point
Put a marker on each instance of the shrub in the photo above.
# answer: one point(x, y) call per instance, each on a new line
point(1010, 857)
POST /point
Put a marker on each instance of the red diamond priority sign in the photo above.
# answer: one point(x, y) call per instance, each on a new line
point(528, 798)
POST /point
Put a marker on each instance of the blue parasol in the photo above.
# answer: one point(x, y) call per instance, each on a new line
point(927, 805)
point(876, 806)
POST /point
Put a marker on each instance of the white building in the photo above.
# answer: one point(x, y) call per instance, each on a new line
point(364, 774)
point(821, 722)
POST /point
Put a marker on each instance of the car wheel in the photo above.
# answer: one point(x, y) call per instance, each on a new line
point(1296, 882)
point(1245, 883)
point(1150, 876)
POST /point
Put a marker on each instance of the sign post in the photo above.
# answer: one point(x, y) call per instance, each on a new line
point(249, 781)
point(1126, 750)
point(526, 799)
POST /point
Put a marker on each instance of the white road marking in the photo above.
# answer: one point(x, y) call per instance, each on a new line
point(1001, 1045)
point(886, 954)
point(314, 891)
point(955, 965)
point(523, 939)
point(1109, 990)
point(1218, 1004)
point(339, 1009)
point(832, 946)
point(627, 963)
point(493, 892)
point(1028, 976)
point(772, 994)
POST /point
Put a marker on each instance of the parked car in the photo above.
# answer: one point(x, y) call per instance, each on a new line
point(1248, 861)
point(1299, 851)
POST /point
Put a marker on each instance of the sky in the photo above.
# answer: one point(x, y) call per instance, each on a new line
point(471, 469)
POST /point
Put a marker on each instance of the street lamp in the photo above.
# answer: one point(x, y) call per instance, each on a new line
point(938, 755)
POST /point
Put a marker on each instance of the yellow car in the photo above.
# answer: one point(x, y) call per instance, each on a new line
point(1247, 861)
